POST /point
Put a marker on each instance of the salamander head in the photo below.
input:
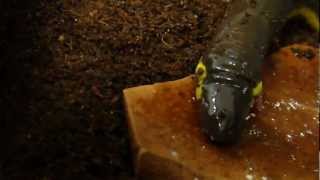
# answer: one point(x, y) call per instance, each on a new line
point(225, 100)
point(224, 109)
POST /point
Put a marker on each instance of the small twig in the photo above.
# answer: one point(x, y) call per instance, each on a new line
point(165, 43)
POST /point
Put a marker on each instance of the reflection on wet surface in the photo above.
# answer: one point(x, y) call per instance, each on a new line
point(280, 142)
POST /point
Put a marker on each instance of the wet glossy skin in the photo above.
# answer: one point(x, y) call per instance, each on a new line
point(233, 66)
point(226, 104)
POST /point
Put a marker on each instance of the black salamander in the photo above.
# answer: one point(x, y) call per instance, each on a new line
point(229, 76)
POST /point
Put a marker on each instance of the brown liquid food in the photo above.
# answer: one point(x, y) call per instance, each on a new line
point(280, 142)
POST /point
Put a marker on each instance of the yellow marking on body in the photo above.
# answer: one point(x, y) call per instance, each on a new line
point(310, 16)
point(258, 89)
point(201, 72)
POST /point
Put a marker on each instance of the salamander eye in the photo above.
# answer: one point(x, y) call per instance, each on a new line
point(199, 72)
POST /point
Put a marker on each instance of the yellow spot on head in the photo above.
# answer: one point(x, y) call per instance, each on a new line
point(201, 72)
point(258, 89)
point(198, 93)
point(309, 15)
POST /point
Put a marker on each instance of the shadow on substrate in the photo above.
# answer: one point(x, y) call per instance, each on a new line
point(19, 53)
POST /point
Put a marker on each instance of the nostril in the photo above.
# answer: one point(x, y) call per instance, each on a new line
point(221, 120)
point(222, 115)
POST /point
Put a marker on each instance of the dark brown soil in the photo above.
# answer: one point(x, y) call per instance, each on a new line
point(63, 66)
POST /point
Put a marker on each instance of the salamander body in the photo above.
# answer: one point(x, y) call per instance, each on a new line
point(229, 76)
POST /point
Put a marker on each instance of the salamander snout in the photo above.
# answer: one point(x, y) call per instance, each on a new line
point(224, 108)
